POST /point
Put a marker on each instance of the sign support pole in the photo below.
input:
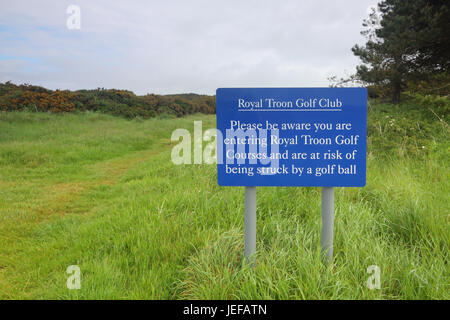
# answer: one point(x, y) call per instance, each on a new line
point(326, 240)
point(250, 224)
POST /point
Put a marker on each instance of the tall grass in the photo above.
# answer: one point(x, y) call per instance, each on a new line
point(102, 193)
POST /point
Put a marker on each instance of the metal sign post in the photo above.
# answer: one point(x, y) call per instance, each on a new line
point(326, 240)
point(250, 224)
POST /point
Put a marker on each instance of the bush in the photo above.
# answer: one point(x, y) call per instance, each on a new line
point(112, 101)
point(440, 105)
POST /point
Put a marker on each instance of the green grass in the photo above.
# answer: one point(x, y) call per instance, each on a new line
point(102, 193)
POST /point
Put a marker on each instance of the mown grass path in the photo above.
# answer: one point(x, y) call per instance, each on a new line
point(34, 194)
point(54, 202)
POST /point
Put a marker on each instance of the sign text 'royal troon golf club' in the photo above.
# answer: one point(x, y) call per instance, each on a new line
point(291, 136)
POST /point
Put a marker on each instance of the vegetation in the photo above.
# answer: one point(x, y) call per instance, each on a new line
point(111, 101)
point(407, 48)
point(101, 192)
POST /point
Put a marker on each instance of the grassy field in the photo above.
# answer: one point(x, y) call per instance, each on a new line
point(101, 192)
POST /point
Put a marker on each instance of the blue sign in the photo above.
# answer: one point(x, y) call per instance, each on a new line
point(291, 136)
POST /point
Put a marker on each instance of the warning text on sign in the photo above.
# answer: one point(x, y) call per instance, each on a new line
point(291, 136)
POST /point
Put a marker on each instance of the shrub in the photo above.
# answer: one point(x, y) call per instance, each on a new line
point(112, 101)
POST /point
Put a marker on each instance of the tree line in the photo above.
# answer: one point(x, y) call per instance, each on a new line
point(112, 101)
point(407, 50)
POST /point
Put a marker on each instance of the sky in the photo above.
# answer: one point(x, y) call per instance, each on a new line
point(178, 46)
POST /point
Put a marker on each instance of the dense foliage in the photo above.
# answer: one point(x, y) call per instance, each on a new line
point(408, 45)
point(116, 102)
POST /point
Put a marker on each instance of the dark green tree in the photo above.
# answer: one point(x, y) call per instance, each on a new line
point(406, 41)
